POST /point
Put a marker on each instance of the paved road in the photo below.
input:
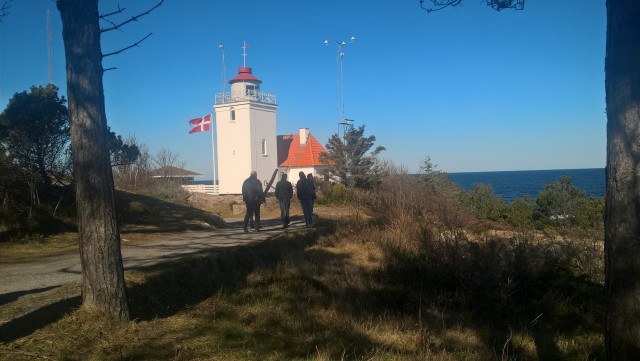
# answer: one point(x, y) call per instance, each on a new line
point(66, 269)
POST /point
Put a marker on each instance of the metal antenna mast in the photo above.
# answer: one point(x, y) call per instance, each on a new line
point(224, 70)
point(342, 121)
point(50, 48)
point(213, 144)
point(244, 53)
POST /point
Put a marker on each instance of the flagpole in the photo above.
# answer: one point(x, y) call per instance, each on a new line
point(213, 149)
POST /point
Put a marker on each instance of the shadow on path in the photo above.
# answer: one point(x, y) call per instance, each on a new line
point(12, 296)
point(178, 280)
point(27, 324)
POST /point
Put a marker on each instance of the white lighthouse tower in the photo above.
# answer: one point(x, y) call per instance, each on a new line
point(246, 132)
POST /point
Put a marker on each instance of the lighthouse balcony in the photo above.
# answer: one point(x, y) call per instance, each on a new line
point(251, 95)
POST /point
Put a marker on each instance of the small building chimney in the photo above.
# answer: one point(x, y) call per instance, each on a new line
point(304, 135)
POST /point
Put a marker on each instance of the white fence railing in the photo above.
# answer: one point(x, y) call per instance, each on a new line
point(202, 188)
point(256, 96)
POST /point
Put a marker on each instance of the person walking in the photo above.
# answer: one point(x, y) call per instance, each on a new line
point(252, 195)
point(284, 193)
point(312, 192)
point(305, 194)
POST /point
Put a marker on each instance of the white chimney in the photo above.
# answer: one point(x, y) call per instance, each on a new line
point(304, 135)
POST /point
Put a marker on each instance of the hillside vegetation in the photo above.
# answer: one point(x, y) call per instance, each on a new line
point(142, 218)
point(402, 272)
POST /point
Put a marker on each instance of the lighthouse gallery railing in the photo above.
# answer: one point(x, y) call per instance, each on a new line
point(256, 96)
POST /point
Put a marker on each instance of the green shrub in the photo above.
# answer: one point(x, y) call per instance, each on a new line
point(484, 204)
point(168, 191)
point(339, 195)
point(557, 201)
point(519, 213)
point(589, 213)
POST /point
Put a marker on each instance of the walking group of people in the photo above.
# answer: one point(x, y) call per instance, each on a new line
point(253, 196)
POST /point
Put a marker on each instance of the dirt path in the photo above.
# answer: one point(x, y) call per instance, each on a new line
point(57, 271)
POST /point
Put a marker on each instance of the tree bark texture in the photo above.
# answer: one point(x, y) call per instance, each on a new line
point(103, 286)
point(622, 209)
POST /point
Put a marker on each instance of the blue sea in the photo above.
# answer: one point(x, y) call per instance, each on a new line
point(516, 184)
point(511, 185)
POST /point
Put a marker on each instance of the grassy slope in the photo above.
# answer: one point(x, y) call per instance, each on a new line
point(325, 294)
point(142, 219)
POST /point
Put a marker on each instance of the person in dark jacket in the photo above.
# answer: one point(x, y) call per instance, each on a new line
point(284, 193)
point(312, 190)
point(252, 195)
point(305, 193)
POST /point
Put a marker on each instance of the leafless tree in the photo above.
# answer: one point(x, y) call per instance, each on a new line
point(167, 161)
point(134, 175)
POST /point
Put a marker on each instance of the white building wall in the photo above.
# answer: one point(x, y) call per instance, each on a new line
point(293, 172)
point(263, 123)
point(239, 145)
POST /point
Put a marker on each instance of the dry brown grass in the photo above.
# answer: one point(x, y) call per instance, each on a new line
point(34, 248)
point(403, 284)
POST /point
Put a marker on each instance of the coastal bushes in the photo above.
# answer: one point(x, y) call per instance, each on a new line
point(559, 204)
point(506, 283)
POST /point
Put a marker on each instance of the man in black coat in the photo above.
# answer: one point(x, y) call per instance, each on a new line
point(312, 190)
point(252, 195)
point(306, 194)
point(284, 193)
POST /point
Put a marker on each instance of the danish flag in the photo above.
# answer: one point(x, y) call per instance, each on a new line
point(200, 124)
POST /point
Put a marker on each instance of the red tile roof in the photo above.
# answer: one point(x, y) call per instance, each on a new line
point(291, 154)
point(244, 73)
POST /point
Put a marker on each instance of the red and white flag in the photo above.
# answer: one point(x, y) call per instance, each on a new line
point(201, 124)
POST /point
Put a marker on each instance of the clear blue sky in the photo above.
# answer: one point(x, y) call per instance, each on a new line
point(475, 89)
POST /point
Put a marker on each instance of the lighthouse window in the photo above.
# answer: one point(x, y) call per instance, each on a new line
point(264, 147)
point(233, 115)
point(251, 90)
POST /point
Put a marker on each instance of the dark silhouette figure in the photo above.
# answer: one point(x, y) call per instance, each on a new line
point(306, 194)
point(312, 190)
point(284, 193)
point(252, 196)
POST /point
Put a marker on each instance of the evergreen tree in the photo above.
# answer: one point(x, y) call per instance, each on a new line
point(484, 203)
point(121, 152)
point(558, 199)
point(34, 131)
point(348, 159)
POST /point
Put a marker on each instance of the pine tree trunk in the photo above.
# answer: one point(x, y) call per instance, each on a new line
point(103, 285)
point(622, 210)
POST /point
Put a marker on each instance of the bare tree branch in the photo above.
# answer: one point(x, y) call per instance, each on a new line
point(128, 47)
point(107, 69)
point(439, 4)
point(495, 4)
point(4, 9)
point(506, 4)
point(135, 18)
point(120, 10)
point(104, 16)
point(110, 22)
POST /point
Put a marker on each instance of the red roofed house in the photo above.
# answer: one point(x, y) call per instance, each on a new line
point(299, 152)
